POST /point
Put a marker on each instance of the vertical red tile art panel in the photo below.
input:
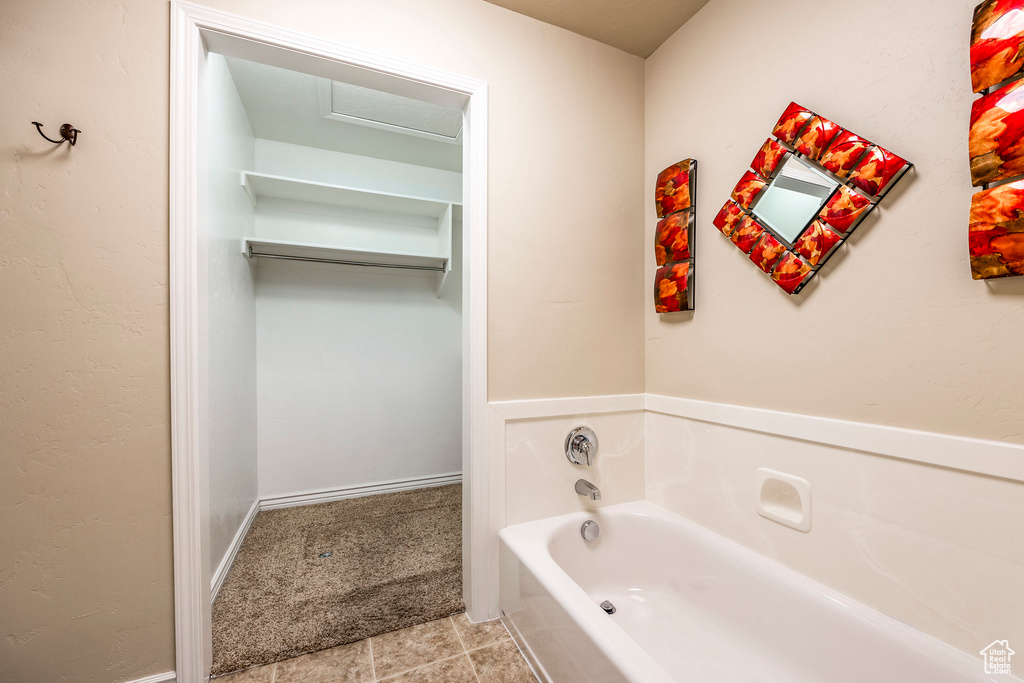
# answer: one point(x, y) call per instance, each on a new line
point(994, 139)
point(995, 231)
point(862, 173)
point(673, 191)
point(673, 288)
point(674, 198)
point(996, 42)
point(672, 238)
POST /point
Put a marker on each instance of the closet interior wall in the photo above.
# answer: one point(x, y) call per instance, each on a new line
point(322, 376)
point(229, 361)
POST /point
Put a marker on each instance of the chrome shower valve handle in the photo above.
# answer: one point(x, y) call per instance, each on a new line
point(581, 446)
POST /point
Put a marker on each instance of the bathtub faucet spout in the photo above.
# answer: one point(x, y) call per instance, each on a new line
point(585, 488)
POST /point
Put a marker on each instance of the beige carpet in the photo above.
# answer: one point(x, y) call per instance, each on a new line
point(396, 561)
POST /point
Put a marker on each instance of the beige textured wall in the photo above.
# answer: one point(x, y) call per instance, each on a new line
point(85, 536)
point(85, 528)
point(894, 331)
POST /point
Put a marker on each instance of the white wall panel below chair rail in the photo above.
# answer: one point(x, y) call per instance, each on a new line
point(540, 480)
point(927, 528)
point(895, 526)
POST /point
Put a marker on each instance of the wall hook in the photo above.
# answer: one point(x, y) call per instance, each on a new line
point(67, 132)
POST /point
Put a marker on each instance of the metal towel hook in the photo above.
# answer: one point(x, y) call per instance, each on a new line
point(67, 133)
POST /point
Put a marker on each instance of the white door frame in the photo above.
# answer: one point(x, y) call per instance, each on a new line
point(195, 29)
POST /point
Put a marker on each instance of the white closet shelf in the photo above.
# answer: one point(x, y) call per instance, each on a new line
point(254, 247)
point(279, 187)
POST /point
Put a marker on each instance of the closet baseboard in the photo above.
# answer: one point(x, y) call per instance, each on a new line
point(328, 495)
point(217, 580)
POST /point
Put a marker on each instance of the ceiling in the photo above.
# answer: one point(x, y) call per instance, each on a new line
point(636, 26)
point(284, 105)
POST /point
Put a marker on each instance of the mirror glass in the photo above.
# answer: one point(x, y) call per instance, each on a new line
point(793, 198)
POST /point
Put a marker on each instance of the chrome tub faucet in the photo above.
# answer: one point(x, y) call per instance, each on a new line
point(585, 488)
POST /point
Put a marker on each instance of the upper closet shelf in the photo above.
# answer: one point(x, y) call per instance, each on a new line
point(278, 187)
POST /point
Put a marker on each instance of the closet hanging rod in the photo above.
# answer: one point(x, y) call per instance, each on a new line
point(366, 264)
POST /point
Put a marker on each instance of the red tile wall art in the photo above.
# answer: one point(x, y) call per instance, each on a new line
point(997, 232)
point(768, 158)
point(848, 176)
point(997, 36)
point(728, 217)
point(816, 137)
point(996, 140)
point(844, 153)
point(675, 202)
point(674, 191)
point(845, 209)
point(672, 238)
point(747, 189)
point(816, 243)
point(673, 288)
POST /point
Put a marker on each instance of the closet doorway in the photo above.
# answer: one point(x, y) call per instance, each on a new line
point(328, 343)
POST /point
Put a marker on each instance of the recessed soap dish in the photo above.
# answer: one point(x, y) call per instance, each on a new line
point(784, 498)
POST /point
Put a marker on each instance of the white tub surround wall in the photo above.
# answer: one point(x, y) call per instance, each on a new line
point(228, 216)
point(540, 479)
point(531, 476)
point(938, 548)
point(528, 439)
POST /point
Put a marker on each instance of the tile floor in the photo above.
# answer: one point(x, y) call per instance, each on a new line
point(451, 650)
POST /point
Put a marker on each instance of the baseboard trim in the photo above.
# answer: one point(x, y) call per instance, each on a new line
point(991, 458)
point(328, 495)
point(166, 677)
point(217, 580)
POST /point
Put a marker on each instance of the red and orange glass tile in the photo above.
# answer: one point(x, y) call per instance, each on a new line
point(674, 199)
point(863, 172)
point(996, 140)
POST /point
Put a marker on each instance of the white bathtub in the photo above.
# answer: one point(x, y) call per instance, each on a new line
point(695, 607)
